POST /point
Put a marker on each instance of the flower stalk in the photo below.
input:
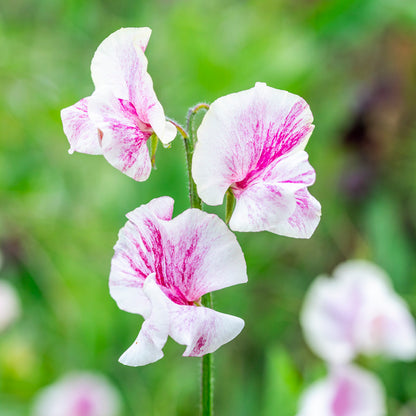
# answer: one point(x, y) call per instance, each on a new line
point(207, 379)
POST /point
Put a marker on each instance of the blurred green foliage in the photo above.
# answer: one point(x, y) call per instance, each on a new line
point(354, 62)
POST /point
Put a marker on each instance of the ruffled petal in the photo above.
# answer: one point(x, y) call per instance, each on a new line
point(277, 201)
point(120, 65)
point(261, 206)
point(119, 62)
point(243, 133)
point(201, 329)
point(147, 348)
point(204, 255)
point(139, 253)
point(82, 134)
point(303, 222)
point(328, 318)
point(347, 391)
point(124, 136)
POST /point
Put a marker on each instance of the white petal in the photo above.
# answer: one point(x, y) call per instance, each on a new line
point(81, 132)
point(138, 253)
point(261, 206)
point(124, 136)
point(347, 391)
point(205, 255)
point(120, 65)
point(201, 329)
point(147, 348)
point(328, 319)
point(117, 62)
point(10, 307)
point(357, 312)
point(78, 394)
point(242, 133)
point(277, 200)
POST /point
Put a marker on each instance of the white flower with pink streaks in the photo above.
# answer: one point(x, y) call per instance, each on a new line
point(123, 112)
point(252, 143)
point(357, 311)
point(347, 391)
point(160, 270)
point(9, 305)
point(78, 394)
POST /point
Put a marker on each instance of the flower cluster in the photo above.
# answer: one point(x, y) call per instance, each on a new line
point(355, 312)
point(249, 145)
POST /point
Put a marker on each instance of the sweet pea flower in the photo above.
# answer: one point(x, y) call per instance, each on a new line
point(357, 311)
point(347, 391)
point(123, 112)
point(9, 305)
point(160, 270)
point(78, 394)
point(252, 143)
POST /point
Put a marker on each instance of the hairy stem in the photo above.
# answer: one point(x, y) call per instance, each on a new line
point(207, 379)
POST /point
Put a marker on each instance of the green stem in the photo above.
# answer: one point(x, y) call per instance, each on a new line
point(207, 379)
point(189, 150)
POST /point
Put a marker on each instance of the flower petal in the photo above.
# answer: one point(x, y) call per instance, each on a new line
point(117, 63)
point(201, 329)
point(261, 206)
point(82, 134)
point(303, 222)
point(357, 312)
point(242, 133)
point(139, 253)
point(347, 391)
point(328, 319)
point(277, 200)
point(124, 136)
point(120, 65)
point(204, 255)
point(147, 348)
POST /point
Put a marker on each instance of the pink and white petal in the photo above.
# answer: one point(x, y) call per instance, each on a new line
point(147, 348)
point(123, 141)
point(119, 61)
point(328, 319)
point(204, 255)
point(347, 391)
point(139, 252)
point(201, 329)
point(262, 205)
point(387, 327)
point(82, 134)
point(155, 116)
point(161, 208)
point(303, 222)
point(242, 133)
point(293, 169)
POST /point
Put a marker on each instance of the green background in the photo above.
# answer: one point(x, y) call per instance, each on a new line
point(355, 64)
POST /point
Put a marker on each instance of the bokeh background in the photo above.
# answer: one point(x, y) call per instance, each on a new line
point(354, 62)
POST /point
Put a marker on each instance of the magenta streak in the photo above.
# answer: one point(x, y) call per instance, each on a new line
point(276, 144)
point(342, 402)
point(200, 343)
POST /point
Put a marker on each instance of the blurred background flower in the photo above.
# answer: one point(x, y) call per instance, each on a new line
point(353, 61)
point(9, 305)
point(78, 394)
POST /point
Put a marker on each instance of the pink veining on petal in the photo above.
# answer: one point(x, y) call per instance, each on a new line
point(252, 142)
point(167, 265)
point(344, 398)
